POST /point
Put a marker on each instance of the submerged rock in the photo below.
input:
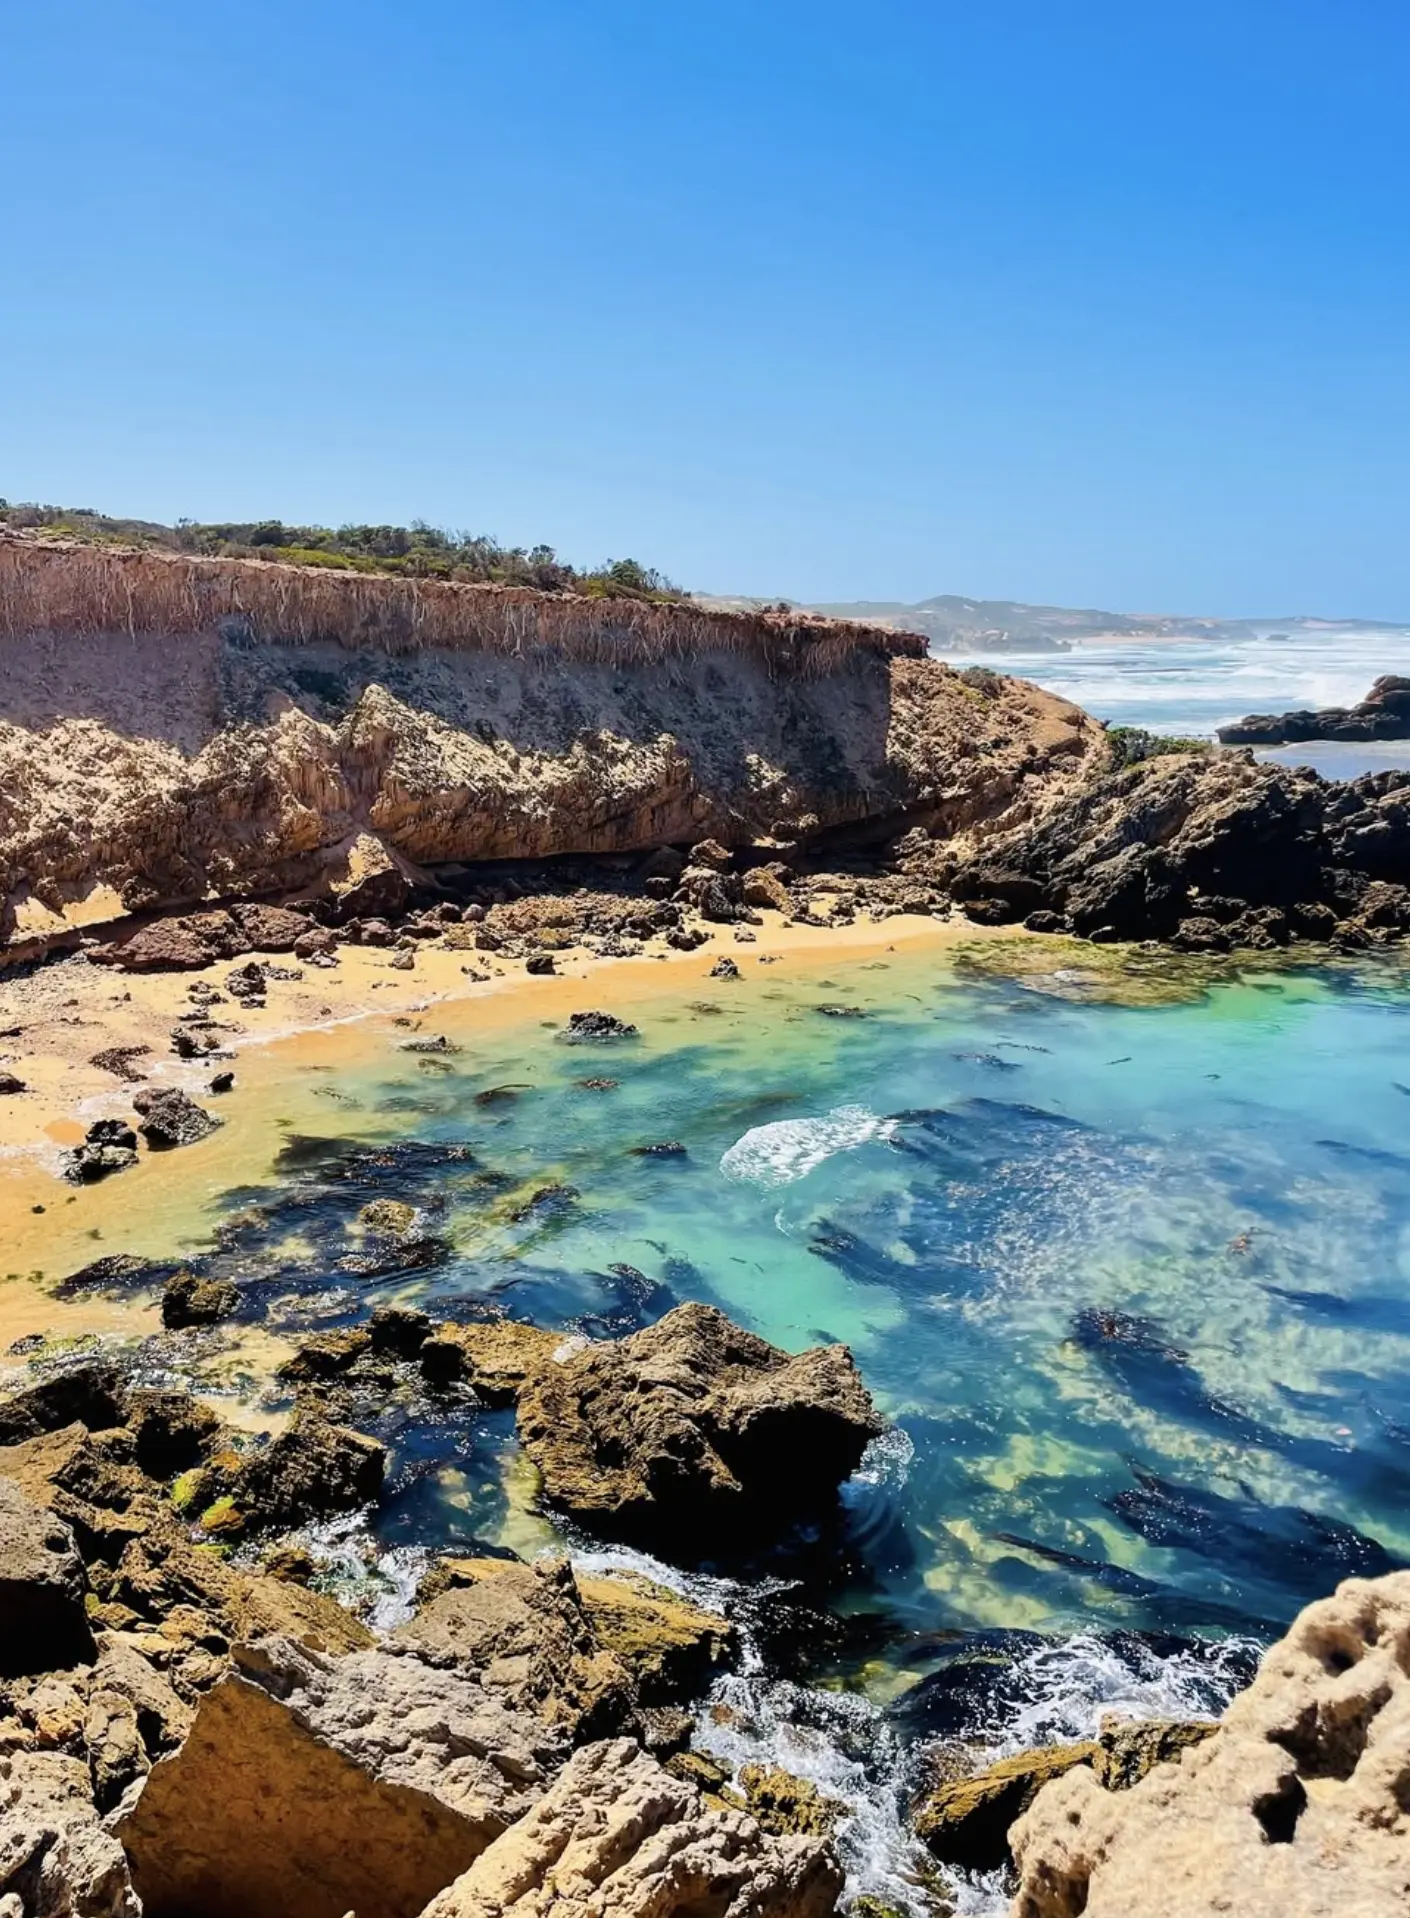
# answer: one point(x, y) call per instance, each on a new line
point(587, 1027)
point(694, 1435)
point(1297, 1809)
point(617, 1834)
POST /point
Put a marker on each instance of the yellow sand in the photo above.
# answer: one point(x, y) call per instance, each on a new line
point(307, 1032)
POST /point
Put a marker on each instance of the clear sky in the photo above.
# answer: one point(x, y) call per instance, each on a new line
point(1092, 301)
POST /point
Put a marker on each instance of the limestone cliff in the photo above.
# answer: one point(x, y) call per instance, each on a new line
point(174, 730)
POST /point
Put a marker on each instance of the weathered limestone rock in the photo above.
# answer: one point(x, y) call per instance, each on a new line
point(616, 1834)
point(763, 887)
point(1299, 1808)
point(1129, 1748)
point(671, 1646)
point(788, 1806)
point(312, 1787)
point(43, 1626)
point(56, 1859)
point(313, 1469)
point(524, 1630)
point(494, 1356)
point(585, 1652)
point(694, 1434)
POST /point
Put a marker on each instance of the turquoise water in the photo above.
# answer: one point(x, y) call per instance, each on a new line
point(1132, 1281)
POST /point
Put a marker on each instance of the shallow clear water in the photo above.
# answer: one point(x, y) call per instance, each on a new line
point(1194, 686)
point(1131, 1280)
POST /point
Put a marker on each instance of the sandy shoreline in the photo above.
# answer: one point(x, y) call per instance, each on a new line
point(54, 1020)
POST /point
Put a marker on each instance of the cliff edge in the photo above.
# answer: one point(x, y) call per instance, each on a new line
point(176, 729)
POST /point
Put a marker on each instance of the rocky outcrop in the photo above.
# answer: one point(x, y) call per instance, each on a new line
point(1383, 714)
point(525, 1630)
point(316, 748)
point(694, 1436)
point(1299, 1808)
point(583, 1650)
point(1207, 849)
point(617, 1834)
point(310, 1787)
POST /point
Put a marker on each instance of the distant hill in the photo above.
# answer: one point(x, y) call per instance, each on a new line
point(954, 624)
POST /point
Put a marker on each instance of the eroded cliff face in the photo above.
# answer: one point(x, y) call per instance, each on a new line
point(142, 770)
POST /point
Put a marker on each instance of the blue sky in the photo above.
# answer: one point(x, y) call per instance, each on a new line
point(1071, 300)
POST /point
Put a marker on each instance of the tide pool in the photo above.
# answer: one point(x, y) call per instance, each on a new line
point(1122, 1248)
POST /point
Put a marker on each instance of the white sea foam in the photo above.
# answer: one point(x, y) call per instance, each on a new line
point(789, 1149)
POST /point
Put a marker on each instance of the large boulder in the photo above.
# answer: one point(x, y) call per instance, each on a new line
point(1299, 1808)
point(43, 1624)
point(617, 1834)
point(694, 1436)
point(310, 1787)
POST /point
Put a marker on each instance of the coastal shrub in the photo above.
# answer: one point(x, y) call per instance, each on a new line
point(420, 550)
point(1131, 745)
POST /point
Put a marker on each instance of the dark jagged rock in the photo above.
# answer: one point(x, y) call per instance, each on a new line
point(312, 1470)
point(188, 1300)
point(589, 1027)
point(1172, 847)
point(170, 1118)
point(109, 1146)
point(11, 1082)
point(1383, 714)
point(694, 1434)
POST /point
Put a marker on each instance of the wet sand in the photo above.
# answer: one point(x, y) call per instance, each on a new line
point(286, 1054)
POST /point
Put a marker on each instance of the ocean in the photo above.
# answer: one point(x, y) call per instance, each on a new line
point(1193, 686)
